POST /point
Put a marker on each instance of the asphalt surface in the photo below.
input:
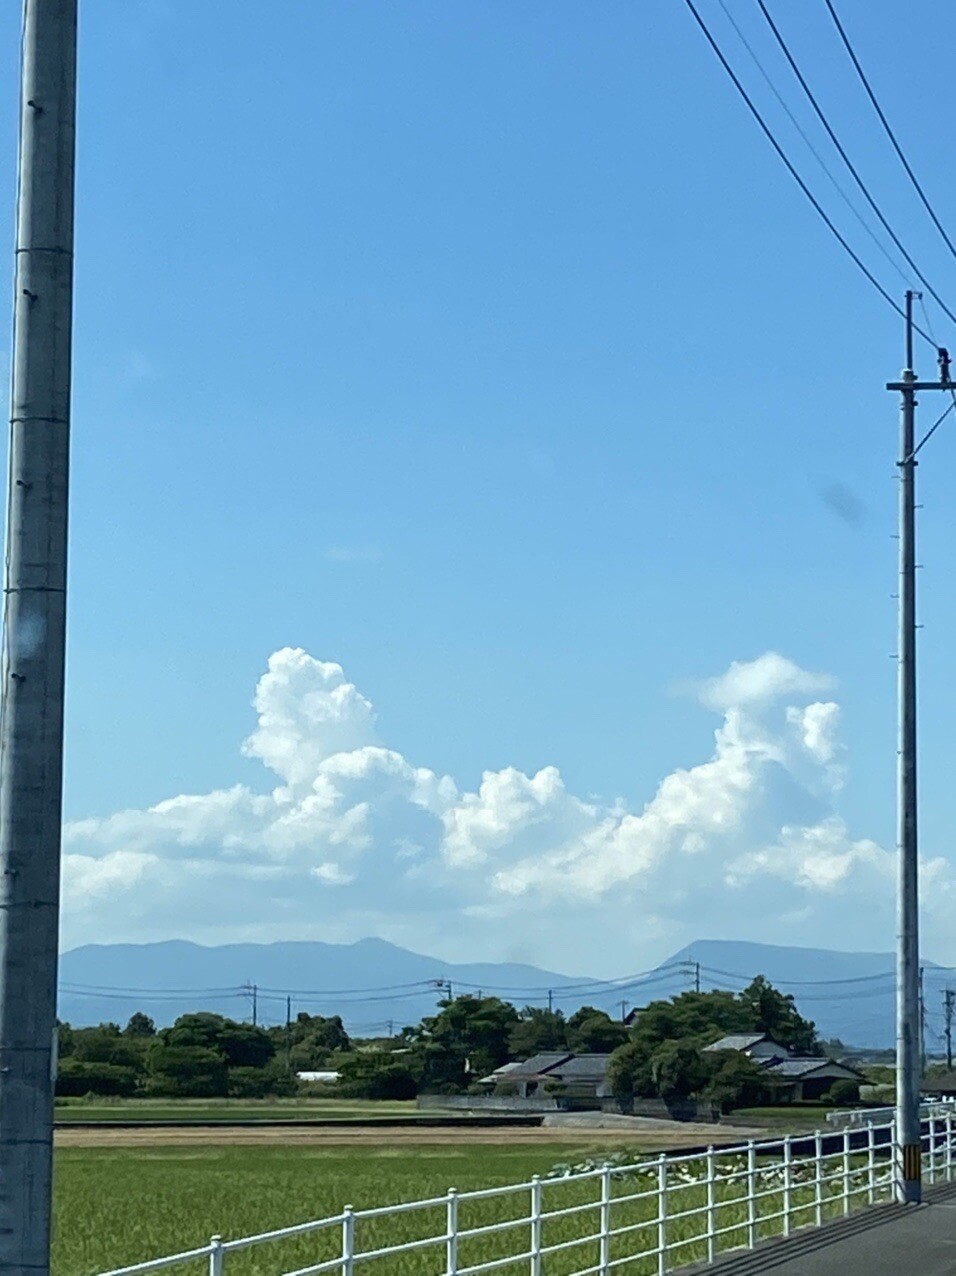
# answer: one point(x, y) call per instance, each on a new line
point(889, 1240)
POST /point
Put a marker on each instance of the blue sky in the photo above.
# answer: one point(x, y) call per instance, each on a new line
point(490, 352)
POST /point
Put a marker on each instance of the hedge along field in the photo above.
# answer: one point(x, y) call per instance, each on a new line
point(124, 1206)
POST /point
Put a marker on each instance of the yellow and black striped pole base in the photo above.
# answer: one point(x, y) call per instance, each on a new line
point(911, 1184)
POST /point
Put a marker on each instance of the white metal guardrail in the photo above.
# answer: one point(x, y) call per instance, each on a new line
point(855, 1117)
point(653, 1216)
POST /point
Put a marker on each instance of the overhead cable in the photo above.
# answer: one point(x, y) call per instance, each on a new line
point(818, 207)
point(849, 163)
point(886, 126)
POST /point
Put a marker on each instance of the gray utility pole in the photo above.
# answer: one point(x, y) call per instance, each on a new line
point(948, 996)
point(909, 1187)
point(908, 980)
point(34, 631)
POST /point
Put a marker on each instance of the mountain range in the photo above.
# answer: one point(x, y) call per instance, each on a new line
point(378, 987)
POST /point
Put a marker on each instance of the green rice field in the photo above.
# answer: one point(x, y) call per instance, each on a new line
point(120, 1206)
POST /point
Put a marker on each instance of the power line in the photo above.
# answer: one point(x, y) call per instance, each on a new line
point(851, 167)
point(803, 983)
point(592, 985)
point(934, 427)
point(813, 150)
point(768, 133)
point(886, 125)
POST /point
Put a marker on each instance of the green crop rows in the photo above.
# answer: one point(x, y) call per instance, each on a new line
point(124, 1206)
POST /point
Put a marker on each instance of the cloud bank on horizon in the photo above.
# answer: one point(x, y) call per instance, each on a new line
point(356, 840)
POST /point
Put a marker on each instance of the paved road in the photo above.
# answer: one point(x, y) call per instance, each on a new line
point(887, 1241)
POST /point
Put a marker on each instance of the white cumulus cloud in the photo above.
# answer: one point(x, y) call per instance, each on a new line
point(350, 838)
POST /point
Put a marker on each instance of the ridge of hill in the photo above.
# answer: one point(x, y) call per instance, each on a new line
point(376, 986)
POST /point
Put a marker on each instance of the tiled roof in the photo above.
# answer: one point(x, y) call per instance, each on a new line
point(584, 1067)
point(797, 1068)
point(536, 1065)
point(739, 1041)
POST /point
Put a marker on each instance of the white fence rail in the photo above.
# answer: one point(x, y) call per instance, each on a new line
point(653, 1216)
point(854, 1117)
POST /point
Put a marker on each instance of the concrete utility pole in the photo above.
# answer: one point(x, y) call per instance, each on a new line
point(288, 1033)
point(34, 616)
point(907, 987)
point(908, 981)
point(948, 996)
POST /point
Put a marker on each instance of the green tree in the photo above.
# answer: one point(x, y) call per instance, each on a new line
point(629, 1072)
point(842, 1093)
point(186, 1071)
point(240, 1044)
point(592, 1031)
point(76, 1078)
point(468, 1037)
point(379, 1074)
point(776, 1013)
point(106, 1044)
point(537, 1030)
point(704, 1016)
point(311, 1041)
point(679, 1070)
point(666, 1056)
point(257, 1083)
point(140, 1025)
point(65, 1039)
point(245, 1046)
point(734, 1081)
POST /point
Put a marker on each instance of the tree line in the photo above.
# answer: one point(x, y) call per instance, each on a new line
point(661, 1054)
point(201, 1055)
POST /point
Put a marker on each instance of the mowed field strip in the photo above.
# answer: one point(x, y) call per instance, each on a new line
point(663, 1138)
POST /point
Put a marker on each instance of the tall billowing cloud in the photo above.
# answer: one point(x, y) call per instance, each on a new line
point(354, 839)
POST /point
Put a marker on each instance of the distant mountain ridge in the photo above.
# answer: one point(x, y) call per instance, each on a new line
point(376, 986)
point(372, 984)
point(851, 996)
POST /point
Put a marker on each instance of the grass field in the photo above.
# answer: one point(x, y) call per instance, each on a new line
point(120, 1206)
point(80, 1111)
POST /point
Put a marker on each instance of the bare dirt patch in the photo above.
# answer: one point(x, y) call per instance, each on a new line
point(662, 1136)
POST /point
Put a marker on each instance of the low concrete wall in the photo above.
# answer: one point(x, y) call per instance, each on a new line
point(486, 1103)
point(686, 1111)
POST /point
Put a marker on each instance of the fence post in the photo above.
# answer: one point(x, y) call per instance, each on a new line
point(536, 1225)
point(451, 1233)
point(818, 1177)
point(932, 1147)
point(871, 1163)
point(846, 1171)
point(215, 1256)
point(949, 1143)
point(751, 1194)
point(348, 1240)
point(604, 1261)
point(711, 1204)
point(662, 1263)
point(895, 1164)
point(787, 1183)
